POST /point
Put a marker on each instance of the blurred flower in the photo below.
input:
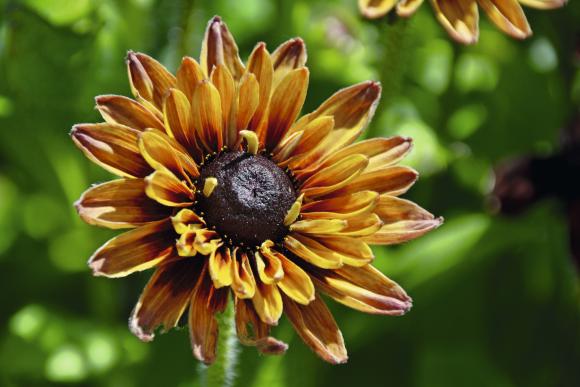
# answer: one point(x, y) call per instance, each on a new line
point(461, 17)
point(226, 193)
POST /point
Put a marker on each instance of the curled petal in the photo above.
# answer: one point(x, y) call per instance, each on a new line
point(166, 189)
point(459, 18)
point(508, 16)
point(268, 303)
point(294, 211)
point(312, 252)
point(317, 328)
point(117, 109)
point(244, 284)
point(289, 56)
point(402, 231)
point(296, 283)
point(374, 9)
point(189, 75)
point(111, 146)
point(221, 268)
point(269, 267)
point(197, 240)
point(149, 79)
point(219, 47)
point(351, 251)
point(184, 219)
point(253, 331)
point(544, 4)
point(406, 8)
point(392, 209)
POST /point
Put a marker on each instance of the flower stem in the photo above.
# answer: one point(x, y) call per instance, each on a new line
point(222, 372)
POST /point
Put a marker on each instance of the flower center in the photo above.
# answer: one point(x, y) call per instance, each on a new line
point(250, 201)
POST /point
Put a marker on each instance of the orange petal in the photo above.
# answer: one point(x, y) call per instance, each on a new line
point(362, 225)
point(260, 64)
point(544, 4)
point(269, 267)
point(296, 284)
point(177, 113)
point(312, 252)
point(374, 9)
point(252, 331)
point(149, 79)
point(319, 226)
point(342, 207)
point(247, 102)
point(268, 303)
point(206, 109)
point(392, 209)
point(459, 18)
point(165, 297)
point(189, 75)
point(286, 147)
point(350, 251)
point(224, 83)
point(136, 250)
point(313, 133)
point(220, 268)
point(402, 231)
point(244, 284)
point(406, 8)
point(289, 56)
point(117, 109)
point(391, 180)
point(219, 47)
point(286, 103)
point(166, 189)
point(111, 146)
point(316, 326)
point(508, 16)
point(119, 204)
point(363, 288)
point(335, 176)
point(206, 301)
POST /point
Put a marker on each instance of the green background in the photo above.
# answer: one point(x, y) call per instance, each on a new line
point(496, 299)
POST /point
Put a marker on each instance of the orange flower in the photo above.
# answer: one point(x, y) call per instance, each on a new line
point(226, 193)
point(461, 17)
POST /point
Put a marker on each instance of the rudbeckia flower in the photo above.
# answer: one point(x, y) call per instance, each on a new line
point(461, 17)
point(233, 198)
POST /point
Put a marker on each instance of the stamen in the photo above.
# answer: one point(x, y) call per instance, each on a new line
point(294, 211)
point(209, 186)
point(251, 140)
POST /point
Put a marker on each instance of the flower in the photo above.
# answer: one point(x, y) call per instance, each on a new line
point(226, 193)
point(460, 18)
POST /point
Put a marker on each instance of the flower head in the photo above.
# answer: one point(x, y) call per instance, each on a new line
point(228, 195)
point(460, 18)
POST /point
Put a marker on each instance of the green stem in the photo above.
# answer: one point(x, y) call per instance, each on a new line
point(222, 372)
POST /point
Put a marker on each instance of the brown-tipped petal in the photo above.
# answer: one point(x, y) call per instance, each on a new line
point(459, 18)
point(508, 16)
point(177, 114)
point(268, 303)
point(374, 9)
point(219, 47)
point(351, 251)
point(149, 79)
point(391, 180)
point(402, 231)
point(165, 297)
point(220, 268)
point(111, 146)
point(119, 204)
point(184, 218)
point(294, 211)
point(544, 4)
point(206, 110)
point(392, 209)
point(224, 83)
point(252, 331)
point(334, 177)
point(206, 301)
point(319, 226)
point(296, 284)
point(391, 156)
point(286, 103)
point(135, 250)
point(117, 109)
point(342, 207)
point(260, 64)
point(189, 75)
point(247, 103)
point(352, 108)
point(166, 189)
point(269, 267)
point(316, 326)
point(288, 56)
point(362, 225)
point(244, 284)
point(406, 8)
point(362, 288)
point(312, 252)
point(165, 154)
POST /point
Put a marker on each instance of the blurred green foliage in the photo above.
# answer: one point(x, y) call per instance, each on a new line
point(496, 300)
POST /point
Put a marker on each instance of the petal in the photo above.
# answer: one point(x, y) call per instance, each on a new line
point(119, 204)
point(221, 268)
point(269, 267)
point(244, 284)
point(351, 251)
point(286, 147)
point(189, 75)
point(402, 231)
point(312, 252)
point(166, 189)
point(313, 133)
point(508, 16)
point(224, 83)
point(111, 146)
point(363, 288)
point(319, 226)
point(219, 47)
point(335, 176)
point(296, 283)
point(206, 111)
point(247, 102)
point(286, 103)
point(362, 225)
point(317, 328)
point(165, 297)
point(252, 331)
point(136, 250)
point(149, 79)
point(391, 209)
point(459, 18)
point(391, 180)
point(289, 56)
point(206, 301)
point(178, 122)
point(544, 4)
point(268, 303)
point(260, 64)
point(342, 207)
point(117, 109)
point(406, 8)
point(374, 9)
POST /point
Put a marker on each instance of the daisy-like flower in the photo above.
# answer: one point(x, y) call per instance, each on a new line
point(461, 17)
point(227, 195)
